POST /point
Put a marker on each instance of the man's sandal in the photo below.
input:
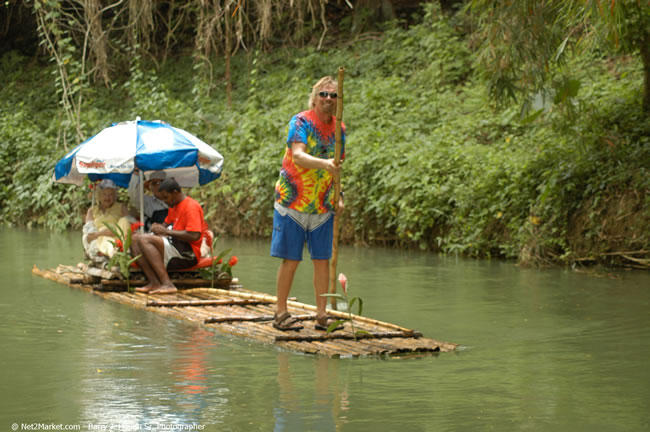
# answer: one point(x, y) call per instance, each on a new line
point(324, 323)
point(285, 322)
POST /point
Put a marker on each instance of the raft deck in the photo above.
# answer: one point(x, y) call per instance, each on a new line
point(248, 314)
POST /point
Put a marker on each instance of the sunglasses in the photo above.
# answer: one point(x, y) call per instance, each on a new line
point(324, 94)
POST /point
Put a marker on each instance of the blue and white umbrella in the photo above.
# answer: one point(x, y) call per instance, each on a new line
point(116, 151)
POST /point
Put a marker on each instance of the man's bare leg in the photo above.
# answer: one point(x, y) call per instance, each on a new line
point(321, 282)
point(153, 251)
point(136, 248)
point(286, 272)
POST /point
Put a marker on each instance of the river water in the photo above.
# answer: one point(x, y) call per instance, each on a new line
point(541, 350)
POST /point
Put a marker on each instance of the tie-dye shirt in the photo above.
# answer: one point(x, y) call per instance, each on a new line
point(308, 190)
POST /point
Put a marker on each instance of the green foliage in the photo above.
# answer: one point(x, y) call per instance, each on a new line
point(149, 97)
point(524, 45)
point(430, 162)
point(29, 142)
point(122, 256)
point(625, 24)
point(219, 269)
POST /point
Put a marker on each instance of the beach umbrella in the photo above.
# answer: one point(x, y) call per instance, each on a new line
point(118, 150)
point(149, 146)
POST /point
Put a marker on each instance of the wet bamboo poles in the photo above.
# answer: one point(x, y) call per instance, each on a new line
point(337, 188)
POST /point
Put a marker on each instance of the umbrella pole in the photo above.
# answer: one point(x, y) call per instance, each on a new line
point(141, 176)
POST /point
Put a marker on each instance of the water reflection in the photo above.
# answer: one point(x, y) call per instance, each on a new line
point(155, 380)
point(323, 408)
point(200, 389)
point(191, 368)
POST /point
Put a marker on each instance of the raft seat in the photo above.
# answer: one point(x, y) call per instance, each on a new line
point(203, 263)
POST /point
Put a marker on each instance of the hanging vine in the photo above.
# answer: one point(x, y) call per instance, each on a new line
point(70, 78)
point(91, 40)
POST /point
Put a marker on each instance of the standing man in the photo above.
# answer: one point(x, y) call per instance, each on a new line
point(304, 201)
point(175, 245)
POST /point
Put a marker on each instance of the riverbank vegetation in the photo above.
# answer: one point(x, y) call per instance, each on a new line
point(437, 159)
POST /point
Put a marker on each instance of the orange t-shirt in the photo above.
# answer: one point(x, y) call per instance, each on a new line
point(187, 215)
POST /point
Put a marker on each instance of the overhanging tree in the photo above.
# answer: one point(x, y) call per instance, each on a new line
point(521, 43)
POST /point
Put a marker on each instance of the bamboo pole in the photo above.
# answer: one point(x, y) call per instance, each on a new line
point(50, 275)
point(346, 336)
point(337, 189)
point(251, 318)
point(215, 302)
point(180, 283)
point(141, 193)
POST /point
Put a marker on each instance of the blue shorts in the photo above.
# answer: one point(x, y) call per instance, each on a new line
point(289, 237)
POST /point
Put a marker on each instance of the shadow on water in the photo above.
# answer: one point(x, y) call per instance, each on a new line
point(541, 349)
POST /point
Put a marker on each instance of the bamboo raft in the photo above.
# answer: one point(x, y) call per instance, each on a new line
point(232, 310)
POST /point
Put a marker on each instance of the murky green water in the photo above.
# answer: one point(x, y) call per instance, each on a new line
point(542, 350)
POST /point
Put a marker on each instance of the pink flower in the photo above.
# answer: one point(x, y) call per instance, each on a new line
point(344, 281)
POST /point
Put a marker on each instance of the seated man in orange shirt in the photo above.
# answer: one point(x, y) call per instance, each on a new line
point(174, 245)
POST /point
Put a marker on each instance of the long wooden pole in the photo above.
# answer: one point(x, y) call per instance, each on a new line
point(337, 188)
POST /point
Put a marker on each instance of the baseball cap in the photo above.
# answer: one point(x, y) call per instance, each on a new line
point(107, 184)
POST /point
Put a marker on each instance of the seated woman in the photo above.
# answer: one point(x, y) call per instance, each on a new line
point(97, 239)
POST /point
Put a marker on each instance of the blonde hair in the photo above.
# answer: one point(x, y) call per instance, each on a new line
point(323, 82)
